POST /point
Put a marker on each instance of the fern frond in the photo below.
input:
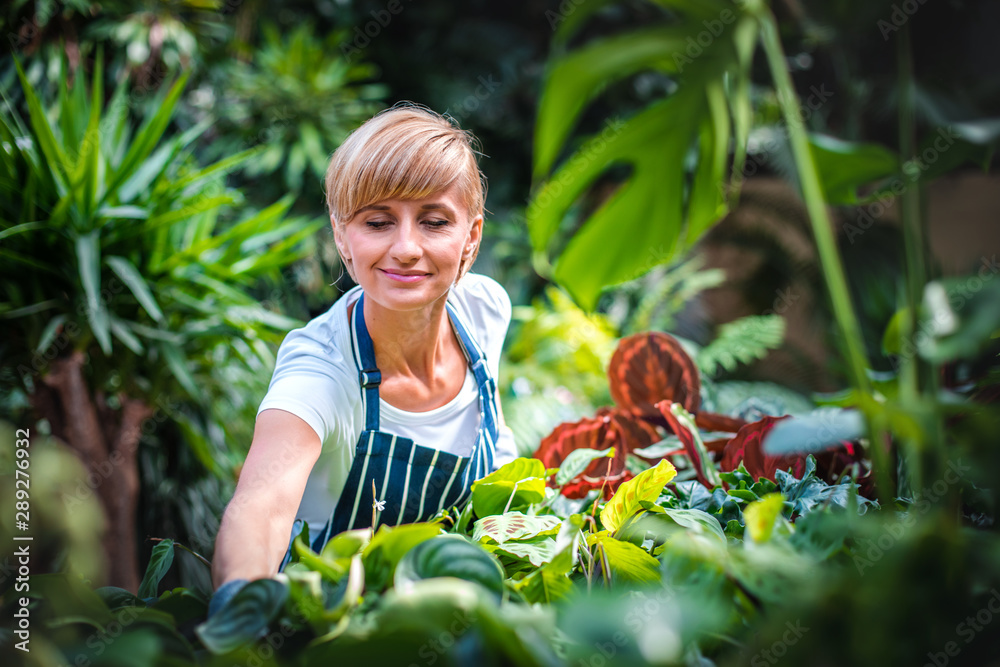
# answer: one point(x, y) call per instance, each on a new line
point(741, 341)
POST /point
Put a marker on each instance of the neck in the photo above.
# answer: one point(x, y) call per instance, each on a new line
point(410, 343)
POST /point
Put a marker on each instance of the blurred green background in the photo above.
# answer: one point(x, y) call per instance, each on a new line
point(142, 314)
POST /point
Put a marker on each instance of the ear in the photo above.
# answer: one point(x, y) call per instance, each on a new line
point(338, 238)
point(474, 237)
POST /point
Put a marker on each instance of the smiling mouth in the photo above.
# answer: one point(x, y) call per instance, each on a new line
point(404, 276)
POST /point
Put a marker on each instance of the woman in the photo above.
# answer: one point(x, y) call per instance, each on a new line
point(392, 390)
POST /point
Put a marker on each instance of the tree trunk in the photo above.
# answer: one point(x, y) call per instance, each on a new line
point(106, 441)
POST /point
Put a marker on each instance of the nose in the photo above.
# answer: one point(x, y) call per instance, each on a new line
point(406, 247)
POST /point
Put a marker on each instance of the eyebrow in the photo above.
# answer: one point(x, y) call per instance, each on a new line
point(383, 207)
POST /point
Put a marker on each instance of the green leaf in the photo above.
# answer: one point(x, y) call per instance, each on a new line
point(388, 547)
point(550, 582)
point(514, 526)
point(513, 487)
point(846, 166)
point(814, 432)
point(697, 522)
point(88, 256)
point(137, 284)
point(577, 461)
point(537, 551)
point(647, 485)
point(178, 365)
point(628, 563)
point(449, 556)
point(244, 617)
point(760, 516)
point(159, 562)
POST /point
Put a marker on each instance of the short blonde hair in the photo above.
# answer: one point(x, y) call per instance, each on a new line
point(404, 152)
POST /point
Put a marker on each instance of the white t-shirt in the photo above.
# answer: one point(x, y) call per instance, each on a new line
point(316, 379)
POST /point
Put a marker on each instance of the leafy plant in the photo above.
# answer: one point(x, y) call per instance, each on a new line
point(154, 306)
point(295, 98)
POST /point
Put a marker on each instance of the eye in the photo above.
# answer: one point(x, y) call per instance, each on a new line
point(378, 224)
point(437, 223)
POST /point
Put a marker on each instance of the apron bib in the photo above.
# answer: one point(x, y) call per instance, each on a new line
point(414, 481)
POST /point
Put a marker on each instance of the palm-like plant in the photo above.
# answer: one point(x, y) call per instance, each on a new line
point(127, 290)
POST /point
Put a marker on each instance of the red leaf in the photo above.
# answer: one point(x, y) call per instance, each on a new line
point(746, 446)
point(610, 427)
point(650, 367)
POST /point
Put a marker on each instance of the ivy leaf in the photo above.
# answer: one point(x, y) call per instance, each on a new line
point(647, 485)
point(513, 487)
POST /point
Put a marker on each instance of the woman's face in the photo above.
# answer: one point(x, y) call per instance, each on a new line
point(406, 254)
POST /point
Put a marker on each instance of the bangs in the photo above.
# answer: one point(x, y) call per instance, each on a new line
point(410, 155)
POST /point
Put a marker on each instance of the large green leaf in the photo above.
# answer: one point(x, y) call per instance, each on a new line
point(677, 149)
point(514, 526)
point(244, 617)
point(388, 547)
point(160, 561)
point(449, 556)
point(845, 166)
point(628, 563)
point(646, 486)
point(512, 487)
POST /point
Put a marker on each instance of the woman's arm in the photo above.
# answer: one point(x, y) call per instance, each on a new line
point(257, 522)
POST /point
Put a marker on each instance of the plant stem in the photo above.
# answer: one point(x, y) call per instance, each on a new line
point(826, 245)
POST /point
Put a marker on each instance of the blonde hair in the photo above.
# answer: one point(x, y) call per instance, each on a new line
point(404, 152)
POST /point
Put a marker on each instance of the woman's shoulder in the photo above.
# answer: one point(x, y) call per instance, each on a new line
point(323, 340)
point(482, 295)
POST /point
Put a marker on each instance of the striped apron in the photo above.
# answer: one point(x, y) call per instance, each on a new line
point(414, 481)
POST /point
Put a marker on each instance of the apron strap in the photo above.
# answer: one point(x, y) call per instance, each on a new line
point(369, 377)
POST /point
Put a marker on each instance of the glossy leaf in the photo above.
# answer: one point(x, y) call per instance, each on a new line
point(388, 547)
point(846, 166)
point(513, 486)
point(647, 486)
point(514, 526)
point(160, 561)
point(629, 563)
point(245, 617)
point(577, 461)
point(450, 556)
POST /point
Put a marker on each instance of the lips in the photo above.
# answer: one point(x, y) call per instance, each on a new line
point(404, 276)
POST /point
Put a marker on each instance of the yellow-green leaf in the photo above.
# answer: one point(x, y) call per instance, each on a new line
point(644, 486)
point(760, 516)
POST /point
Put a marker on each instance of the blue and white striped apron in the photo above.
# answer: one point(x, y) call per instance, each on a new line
point(414, 481)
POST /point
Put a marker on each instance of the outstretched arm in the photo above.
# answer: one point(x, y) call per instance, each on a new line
point(257, 522)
